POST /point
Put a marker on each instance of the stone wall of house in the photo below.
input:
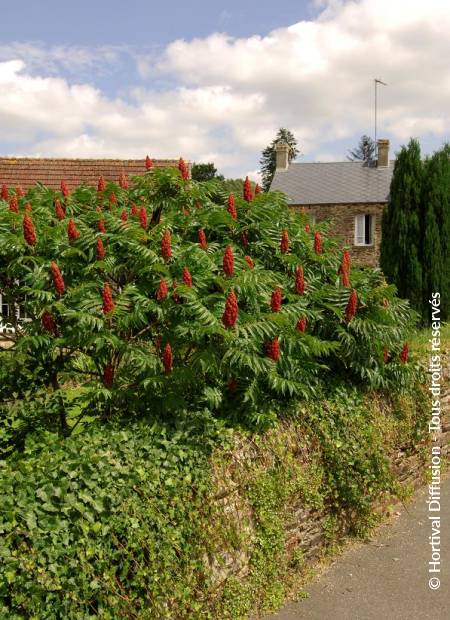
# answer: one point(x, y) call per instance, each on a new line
point(343, 227)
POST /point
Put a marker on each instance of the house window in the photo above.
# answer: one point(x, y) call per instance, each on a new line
point(364, 229)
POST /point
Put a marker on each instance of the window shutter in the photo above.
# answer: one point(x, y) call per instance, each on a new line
point(359, 229)
point(368, 229)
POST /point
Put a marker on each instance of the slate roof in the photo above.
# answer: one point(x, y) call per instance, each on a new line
point(333, 183)
point(26, 172)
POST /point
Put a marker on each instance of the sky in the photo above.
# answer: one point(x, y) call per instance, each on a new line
point(213, 81)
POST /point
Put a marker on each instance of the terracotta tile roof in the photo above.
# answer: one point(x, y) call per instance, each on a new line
point(28, 171)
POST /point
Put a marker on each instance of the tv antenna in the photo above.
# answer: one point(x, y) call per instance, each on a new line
point(376, 82)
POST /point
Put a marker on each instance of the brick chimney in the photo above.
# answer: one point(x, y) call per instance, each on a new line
point(383, 153)
point(282, 155)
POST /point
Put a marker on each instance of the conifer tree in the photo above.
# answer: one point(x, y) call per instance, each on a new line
point(268, 156)
point(401, 231)
point(433, 215)
point(365, 151)
point(441, 201)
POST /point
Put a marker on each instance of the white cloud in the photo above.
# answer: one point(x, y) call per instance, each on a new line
point(224, 98)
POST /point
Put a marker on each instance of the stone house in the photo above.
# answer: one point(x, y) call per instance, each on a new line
point(350, 194)
point(26, 172)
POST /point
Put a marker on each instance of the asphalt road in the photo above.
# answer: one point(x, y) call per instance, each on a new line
point(387, 577)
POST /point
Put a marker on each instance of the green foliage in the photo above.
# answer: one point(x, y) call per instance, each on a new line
point(415, 246)
point(123, 520)
point(400, 240)
point(268, 156)
point(109, 523)
point(436, 231)
point(205, 172)
point(129, 342)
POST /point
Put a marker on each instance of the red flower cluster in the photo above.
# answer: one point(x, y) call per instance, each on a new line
point(346, 259)
point(58, 280)
point(307, 228)
point(317, 243)
point(101, 184)
point(301, 325)
point(284, 244)
point(108, 376)
point(134, 210)
point(13, 206)
point(59, 211)
point(272, 349)
point(143, 217)
point(257, 189)
point(28, 208)
point(244, 239)
point(247, 190)
point(148, 163)
point(123, 181)
point(162, 291)
point(275, 302)
point(183, 168)
point(299, 281)
point(228, 261)
point(64, 189)
point(344, 269)
point(29, 231)
point(101, 225)
point(249, 261)
point(386, 355)
point(124, 215)
point(230, 314)
point(48, 322)
point(187, 278)
point(100, 250)
point(352, 306)
point(20, 192)
point(4, 193)
point(176, 297)
point(404, 353)
point(232, 385)
point(167, 359)
point(112, 199)
point(72, 231)
point(166, 247)
point(231, 207)
point(108, 303)
point(202, 239)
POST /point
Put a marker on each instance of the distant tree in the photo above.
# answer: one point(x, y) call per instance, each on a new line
point(268, 156)
point(232, 186)
point(401, 230)
point(365, 151)
point(205, 172)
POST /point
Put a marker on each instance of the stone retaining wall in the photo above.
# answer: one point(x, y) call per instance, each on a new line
point(306, 528)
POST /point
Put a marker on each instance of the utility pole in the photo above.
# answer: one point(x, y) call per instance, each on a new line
point(376, 82)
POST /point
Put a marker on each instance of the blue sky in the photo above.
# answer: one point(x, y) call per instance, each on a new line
point(213, 81)
point(144, 23)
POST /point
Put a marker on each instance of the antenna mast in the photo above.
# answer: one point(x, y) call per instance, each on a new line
point(376, 82)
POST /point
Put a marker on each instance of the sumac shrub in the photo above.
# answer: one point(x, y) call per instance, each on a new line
point(108, 312)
